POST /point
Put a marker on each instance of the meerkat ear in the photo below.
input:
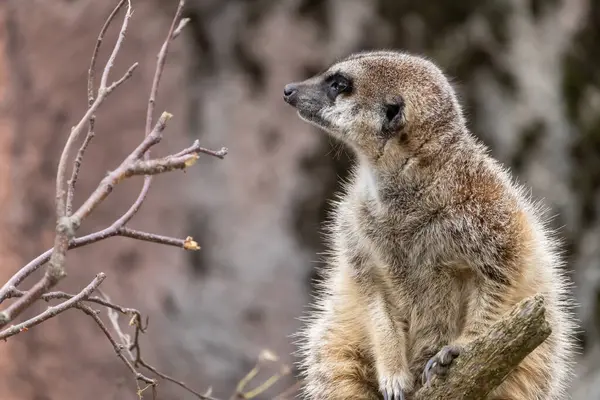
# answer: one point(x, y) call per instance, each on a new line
point(394, 116)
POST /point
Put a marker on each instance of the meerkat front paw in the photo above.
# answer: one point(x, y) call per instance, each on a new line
point(395, 386)
point(439, 364)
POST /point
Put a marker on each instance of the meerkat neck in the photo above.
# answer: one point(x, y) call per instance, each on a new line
point(383, 179)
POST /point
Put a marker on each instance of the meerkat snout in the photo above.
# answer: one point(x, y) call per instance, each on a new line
point(290, 92)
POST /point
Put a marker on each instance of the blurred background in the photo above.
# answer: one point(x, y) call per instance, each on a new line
point(527, 73)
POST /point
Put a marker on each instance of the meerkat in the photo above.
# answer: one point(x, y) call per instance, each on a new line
point(430, 243)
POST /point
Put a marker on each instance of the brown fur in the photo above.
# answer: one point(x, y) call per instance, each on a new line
point(431, 241)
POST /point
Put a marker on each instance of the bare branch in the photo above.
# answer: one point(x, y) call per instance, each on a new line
point(179, 383)
point(86, 142)
point(92, 69)
point(90, 96)
point(127, 75)
point(43, 258)
point(67, 221)
point(116, 48)
point(118, 348)
point(133, 345)
point(162, 165)
point(9, 288)
point(77, 165)
point(137, 204)
point(101, 192)
point(108, 183)
point(65, 226)
point(182, 24)
point(50, 311)
point(92, 299)
point(188, 243)
point(76, 131)
point(487, 361)
point(196, 148)
point(160, 63)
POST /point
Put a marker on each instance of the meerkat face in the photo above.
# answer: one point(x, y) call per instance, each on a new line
point(370, 100)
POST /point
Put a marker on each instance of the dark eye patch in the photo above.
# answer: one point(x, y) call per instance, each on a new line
point(336, 84)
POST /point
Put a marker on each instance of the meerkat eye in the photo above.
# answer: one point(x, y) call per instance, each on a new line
point(338, 84)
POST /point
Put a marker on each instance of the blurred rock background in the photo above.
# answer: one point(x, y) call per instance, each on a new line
point(526, 71)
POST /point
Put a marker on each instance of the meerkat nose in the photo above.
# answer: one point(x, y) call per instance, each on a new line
point(290, 92)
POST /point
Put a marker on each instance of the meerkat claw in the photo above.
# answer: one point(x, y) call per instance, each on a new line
point(393, 396)
point(392, 390)
point(440, 363)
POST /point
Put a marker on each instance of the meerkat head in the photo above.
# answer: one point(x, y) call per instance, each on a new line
point(378, 102)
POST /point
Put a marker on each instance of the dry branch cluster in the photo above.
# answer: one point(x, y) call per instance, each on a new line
point(482, 367)
point(68, 219)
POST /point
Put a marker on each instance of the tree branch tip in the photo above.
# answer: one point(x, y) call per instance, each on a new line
point(223, 152)
point(101, 276)
point(532, 307)
point(165, 117)
point(190, 244)
point(182, 23)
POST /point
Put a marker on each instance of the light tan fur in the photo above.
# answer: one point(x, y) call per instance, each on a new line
point(430, 243)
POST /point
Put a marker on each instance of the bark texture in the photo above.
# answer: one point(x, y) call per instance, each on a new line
point(486, 362)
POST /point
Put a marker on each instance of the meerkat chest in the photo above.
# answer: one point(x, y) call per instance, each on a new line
point(380, 254)
point(392, 238)
point(380, 262)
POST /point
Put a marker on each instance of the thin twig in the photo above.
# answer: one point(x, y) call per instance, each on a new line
point(118, 348)
point(76, 131)
point(51, 311)
point(196, 148)
point(162, 165)
point(126, 76)
point(43, 258)
point(160, 64)
point(35, 264)
point(116, 48)
point(188, 243)
point(133, 345)
point(86, 142)
point(170, 379)
point(116, 176)
point(90, 97)
point(182, 24)
point(112, 231)
point(92, 299)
